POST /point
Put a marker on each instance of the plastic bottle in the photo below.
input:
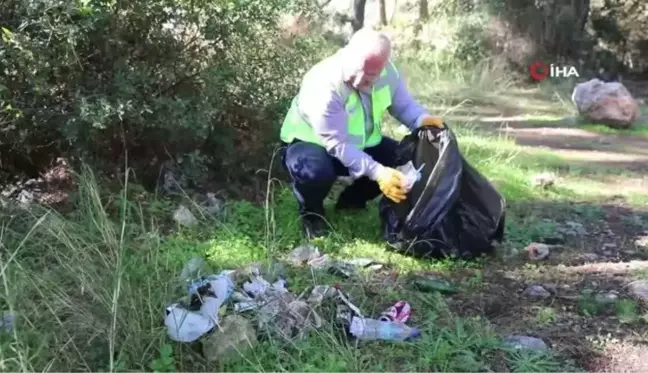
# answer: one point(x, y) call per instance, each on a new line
point(196, 273)
point(187, 326)
point(194, 269)
point(370, 329)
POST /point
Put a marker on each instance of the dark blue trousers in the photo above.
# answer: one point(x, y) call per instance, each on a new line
point(313, 172)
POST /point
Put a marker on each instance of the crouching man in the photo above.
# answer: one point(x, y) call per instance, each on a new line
point(333, 128)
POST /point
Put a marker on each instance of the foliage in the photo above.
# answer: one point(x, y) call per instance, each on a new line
point(152, 77)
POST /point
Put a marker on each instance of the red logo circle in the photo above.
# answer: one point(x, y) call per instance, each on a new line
point(539, 71)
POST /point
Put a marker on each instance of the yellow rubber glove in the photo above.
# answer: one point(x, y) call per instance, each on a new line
point(391, 183)
point(430, 121)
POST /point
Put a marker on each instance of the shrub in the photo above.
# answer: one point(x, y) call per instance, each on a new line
point(155, 77)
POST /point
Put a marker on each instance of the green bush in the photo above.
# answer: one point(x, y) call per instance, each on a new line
point(153, 77)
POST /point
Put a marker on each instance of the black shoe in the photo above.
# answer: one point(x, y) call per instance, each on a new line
point(314, 226)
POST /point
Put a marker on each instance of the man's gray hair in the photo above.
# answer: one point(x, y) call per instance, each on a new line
point(367, 41)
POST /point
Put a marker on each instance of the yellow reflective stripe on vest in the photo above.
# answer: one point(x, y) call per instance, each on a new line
point(296, 127)
point(355, 119)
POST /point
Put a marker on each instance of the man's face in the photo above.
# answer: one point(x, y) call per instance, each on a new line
point(368, 73)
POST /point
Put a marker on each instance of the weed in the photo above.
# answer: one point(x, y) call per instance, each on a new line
point(546, 315)
point(627, 311)
point(531, 361)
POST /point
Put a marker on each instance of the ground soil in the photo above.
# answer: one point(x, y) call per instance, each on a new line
point(598, 342)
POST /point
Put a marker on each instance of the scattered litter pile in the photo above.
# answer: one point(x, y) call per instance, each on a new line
point(253, 308)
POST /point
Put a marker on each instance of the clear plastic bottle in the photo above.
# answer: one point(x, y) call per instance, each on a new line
point(370, 329)
point(194, 269)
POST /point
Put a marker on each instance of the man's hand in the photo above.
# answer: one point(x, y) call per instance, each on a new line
point(430, 121)
point(391, 183)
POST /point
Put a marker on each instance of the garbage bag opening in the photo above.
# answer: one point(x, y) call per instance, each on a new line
point(452, 210)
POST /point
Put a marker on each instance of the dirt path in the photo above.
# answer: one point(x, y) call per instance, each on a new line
point(598, 261)
point(576, 144)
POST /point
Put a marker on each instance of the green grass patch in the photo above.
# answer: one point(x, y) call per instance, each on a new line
point(89, 288)
point(640, 129)
point(89, 291)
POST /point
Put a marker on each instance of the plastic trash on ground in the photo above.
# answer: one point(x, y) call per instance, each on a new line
point(399, 312)
point(434, 284)
point(210, 292)
point(295, 320)
point(319, 293)
point(452, 211)
point(412, 175)
point(187, 326)
point(194, 269)
point(309, 255)
point(7, 322)
point(235, 335)
point(370, 329)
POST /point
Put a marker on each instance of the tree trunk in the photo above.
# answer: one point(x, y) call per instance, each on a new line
point(382, 10)
point(358, 14)
point(423, 10)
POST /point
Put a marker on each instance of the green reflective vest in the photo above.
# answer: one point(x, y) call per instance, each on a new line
point(295, 126)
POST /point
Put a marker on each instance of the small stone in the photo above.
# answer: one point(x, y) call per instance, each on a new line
point(510, 277)
point(639, 290)
point(544, 180)
point(610, 245)
point(538, 251)
point(590, 257)
point(574, 228)
point(536, 291)
point(213, 205)
point(606, 298)
point(183, 216)
point(642, 242)
point(522, 342)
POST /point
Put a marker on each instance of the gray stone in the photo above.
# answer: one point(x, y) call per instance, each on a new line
point(590, 257)
point(639, 290)
point(522, 342)
point(538, 251)
point(642, 242)
point(212, 205)
point(544, 180)
point(609, 103)
point(536, 291)
point(606, 298)
point(184, 216)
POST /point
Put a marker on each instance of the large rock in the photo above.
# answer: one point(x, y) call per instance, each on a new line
point(606, 103)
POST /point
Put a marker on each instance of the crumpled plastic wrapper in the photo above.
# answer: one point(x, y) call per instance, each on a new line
point(412, 175)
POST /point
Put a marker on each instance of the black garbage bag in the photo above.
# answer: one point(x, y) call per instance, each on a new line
point(452, 211)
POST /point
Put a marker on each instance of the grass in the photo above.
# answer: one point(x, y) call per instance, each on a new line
point(91, 294)
point(89, 288)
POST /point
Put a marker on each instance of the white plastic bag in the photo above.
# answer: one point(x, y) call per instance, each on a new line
point(412, 175)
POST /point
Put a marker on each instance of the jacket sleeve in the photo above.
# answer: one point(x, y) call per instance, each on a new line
point(404, 108)
point(321, 104)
